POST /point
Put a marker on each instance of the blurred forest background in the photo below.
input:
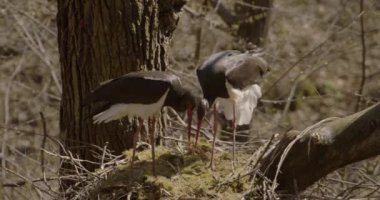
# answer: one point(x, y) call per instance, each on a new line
point(319, 40)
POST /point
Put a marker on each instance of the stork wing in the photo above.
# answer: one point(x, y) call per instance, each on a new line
point(136, 87)
point(245, 70)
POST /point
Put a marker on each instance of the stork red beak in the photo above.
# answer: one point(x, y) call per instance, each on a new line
point(190, 119)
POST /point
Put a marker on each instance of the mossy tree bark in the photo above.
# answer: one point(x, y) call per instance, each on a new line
point(99, 40)
point(302, 158)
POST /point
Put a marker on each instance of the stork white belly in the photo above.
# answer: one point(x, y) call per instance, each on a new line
point(118, 111)
point(245, 102)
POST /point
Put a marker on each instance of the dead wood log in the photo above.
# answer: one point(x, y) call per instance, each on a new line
point(302, 158)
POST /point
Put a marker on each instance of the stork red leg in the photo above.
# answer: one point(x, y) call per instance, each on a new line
point(135, 135)
point(189, 122)
point(134, 140)
point(233, 133)
point(152, 130)
point(197, 135)
point(214, 139)
point(141, 123)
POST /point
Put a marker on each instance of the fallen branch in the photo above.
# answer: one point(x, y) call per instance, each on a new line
point(300, 159)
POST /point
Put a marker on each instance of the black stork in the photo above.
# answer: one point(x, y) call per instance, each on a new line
point(141, 95)
point(229, 81)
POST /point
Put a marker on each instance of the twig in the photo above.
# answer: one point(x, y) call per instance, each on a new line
point(362, 36)
point(373, 75)
point(75, 160)
point(372, 192)
point(22, 183)
point(263, 153)
point(31, 18)
point(232, 178)
point(350, 183)
point(225, 14)
point(294, 87)
point(23, 155)
point(7, 116)
point(44, 129)
point(363, 174)
point(103, 155)
point(35, 92)
point(290, 97)
point(281, 101)
point(210, 21)
point(28, 181)
point(174, 139)
point(348, 191)
point(198, 43)
point(254, 7)
point(191, 12)
point(33, 43)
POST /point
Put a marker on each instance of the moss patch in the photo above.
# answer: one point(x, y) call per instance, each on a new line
point(179, 176)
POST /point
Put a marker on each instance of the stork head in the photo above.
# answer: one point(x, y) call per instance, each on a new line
point(202, 109)
point(263, 65)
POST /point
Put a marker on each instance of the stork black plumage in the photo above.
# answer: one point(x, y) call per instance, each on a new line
point(142, 95)
point(229, 81)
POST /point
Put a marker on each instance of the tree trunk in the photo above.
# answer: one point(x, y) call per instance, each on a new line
point(300, 159)
point(99, 40)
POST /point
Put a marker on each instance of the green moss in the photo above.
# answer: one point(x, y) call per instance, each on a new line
point(330, 88)
point(178, 175)
point(306, 88)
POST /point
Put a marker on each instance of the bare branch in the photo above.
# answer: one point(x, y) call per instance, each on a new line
point(362, 37)
point(4, 152)
point(44, 129)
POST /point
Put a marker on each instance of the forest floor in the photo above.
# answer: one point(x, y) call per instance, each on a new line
point(320, 41)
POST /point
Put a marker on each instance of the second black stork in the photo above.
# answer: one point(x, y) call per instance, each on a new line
point(229, 81)
point(141, 96)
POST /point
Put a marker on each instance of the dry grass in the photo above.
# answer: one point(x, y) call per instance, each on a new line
point(319, 41)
